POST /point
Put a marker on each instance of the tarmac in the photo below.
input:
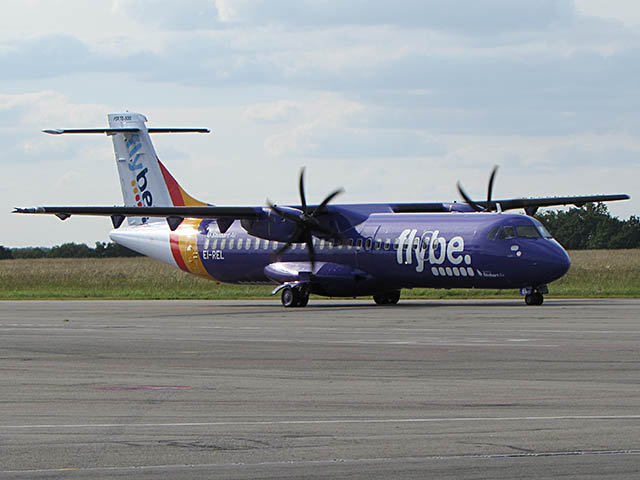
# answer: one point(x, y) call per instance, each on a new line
point(340, 389)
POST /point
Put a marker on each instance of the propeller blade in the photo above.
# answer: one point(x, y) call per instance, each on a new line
point(312, 251)
point(303, 198)
point(467, 199)
point(329, 197)
point(490, 205)
point(282, 249)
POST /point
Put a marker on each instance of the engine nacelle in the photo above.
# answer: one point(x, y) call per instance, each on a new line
point(457, 207)
point(272, 226)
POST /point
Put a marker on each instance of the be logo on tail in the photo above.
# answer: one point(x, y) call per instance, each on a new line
point(141, 183)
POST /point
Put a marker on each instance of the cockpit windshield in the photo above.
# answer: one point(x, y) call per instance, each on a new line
point(531, 231)
point(527, 231)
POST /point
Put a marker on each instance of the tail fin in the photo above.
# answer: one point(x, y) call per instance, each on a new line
point(144, 180)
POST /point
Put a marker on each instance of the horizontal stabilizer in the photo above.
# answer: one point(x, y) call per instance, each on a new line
point(112, 131)
point(179, 212)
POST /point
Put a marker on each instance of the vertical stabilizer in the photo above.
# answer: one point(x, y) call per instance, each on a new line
point(145, 182)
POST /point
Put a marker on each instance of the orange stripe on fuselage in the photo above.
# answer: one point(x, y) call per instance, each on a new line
point(184, 241)
point(187, 240)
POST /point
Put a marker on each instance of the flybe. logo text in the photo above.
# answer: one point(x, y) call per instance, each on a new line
point(434, 249)
point(140, 184)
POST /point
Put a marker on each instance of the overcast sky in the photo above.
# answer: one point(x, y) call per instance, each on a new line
point(394, 101)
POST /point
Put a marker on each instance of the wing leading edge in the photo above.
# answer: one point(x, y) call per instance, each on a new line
point(530, 205)
point(226, 215)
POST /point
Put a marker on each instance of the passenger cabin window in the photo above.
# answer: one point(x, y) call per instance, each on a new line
point(223, 242)
point(247, 245)
point(231, 243)
point(367, 244)
point(239, 244)
point(265, 245)
point(214, 244)
point(387, 244)
point(378, 243)
point(350, 244)
point(359, 244)
point(506, 233)
point(527, 231)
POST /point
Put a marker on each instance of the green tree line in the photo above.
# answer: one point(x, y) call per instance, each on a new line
point(69, 250)
point(591, 227)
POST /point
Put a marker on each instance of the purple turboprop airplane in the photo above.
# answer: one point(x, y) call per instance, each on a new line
point(337, 250)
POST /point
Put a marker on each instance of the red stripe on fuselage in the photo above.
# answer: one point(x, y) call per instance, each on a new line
point(178, 201)
point(174, 239)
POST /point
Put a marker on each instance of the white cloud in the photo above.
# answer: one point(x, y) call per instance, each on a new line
point(401, 99)
point(626, 12)
point(277, 112)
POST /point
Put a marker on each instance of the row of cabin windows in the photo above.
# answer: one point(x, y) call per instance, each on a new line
point(259, 244)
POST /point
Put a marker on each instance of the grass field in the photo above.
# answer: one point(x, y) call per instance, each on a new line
point(594, 273)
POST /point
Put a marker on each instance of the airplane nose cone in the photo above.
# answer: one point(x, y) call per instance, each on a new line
point(558, 262)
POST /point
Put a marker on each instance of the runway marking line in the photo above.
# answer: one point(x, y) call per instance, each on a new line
point(327, 422)
point(335, 461)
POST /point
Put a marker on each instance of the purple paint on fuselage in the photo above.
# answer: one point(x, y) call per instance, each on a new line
point(449, 250)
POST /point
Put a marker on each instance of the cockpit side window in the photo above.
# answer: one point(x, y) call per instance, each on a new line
point(492, 233)
point(527, 231)
point(543, 231)
point(506, 233)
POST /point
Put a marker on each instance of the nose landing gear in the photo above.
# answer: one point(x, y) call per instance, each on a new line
point(534, 295)
point(534, 299)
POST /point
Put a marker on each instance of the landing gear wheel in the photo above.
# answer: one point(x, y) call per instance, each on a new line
point(387, 298)
point(535, 298)
point(303, 299)
point(295, 297)
point(289, 297)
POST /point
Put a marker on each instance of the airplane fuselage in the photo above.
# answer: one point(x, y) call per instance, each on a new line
point(385, 252)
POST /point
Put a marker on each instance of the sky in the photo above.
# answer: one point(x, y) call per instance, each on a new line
point(394, 101)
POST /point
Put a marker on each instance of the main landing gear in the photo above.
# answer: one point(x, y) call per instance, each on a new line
point(297, 296)
point(534, 296)
point(387, 298)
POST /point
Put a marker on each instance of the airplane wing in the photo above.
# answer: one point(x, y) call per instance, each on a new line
point(530, 205)
point(174, 215)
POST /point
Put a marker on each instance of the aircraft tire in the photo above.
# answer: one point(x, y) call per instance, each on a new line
point(303, 300)
point(387, 298)
point(393, 297)
point(535, 298)
point(289, 297)
point(380, 299)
